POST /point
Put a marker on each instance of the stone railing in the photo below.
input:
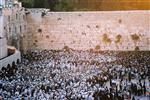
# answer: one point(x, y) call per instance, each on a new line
point(14, 58)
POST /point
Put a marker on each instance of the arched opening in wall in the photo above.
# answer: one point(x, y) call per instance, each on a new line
point(18, 61)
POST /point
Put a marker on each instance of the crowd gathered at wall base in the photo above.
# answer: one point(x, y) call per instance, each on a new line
point(77, 75)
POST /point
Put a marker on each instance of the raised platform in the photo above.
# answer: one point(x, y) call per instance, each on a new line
point(10, 60)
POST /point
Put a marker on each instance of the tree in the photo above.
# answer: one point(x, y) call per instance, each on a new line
point(64, 5)
point(39, 3)
point(27, 3)
point(92, 5)
point(52, 4)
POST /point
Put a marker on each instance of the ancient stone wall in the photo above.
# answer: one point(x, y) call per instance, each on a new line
point(111, 30)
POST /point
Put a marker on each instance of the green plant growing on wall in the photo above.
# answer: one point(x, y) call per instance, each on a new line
point(106, 39)
point(135, 38)
point(97, 47)
point(118, 40)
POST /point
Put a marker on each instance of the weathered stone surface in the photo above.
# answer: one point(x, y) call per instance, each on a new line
point(84, 30)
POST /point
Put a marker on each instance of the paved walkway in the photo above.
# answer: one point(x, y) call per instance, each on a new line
point(142, 98)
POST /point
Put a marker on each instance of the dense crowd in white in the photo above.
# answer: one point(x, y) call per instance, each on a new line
point(77, 75)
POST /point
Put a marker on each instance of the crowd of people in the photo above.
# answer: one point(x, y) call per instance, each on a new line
point(77, 75)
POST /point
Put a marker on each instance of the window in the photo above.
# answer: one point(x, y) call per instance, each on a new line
point(15, 29)
point(24, 27)
point(9, 29)
point(20, 29)
point(16, 16)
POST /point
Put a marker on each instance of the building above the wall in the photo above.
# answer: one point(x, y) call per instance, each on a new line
point(11, 19)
